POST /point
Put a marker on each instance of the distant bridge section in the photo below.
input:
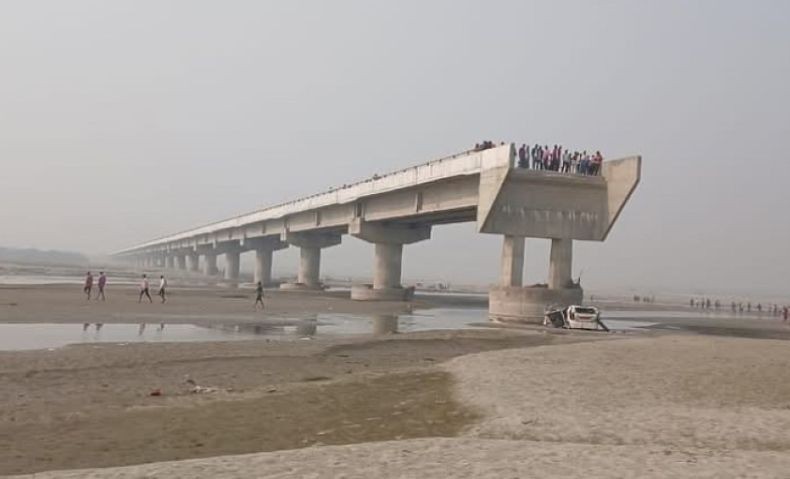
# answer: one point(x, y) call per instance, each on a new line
point(402, 207)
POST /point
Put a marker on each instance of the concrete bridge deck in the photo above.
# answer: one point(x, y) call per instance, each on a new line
point(400, 208)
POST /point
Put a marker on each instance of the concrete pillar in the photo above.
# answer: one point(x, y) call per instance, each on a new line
point(309, 266)
point(310, 244)
point(170, 261)
point(210, 264)
point(512, 261)
point(560, 263)
point(182, 262)
point(263, 265)
point(232, 260)
point(193, 262)
point(387, 268)
point(388, 260)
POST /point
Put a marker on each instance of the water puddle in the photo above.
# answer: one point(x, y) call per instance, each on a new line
point(23, 336)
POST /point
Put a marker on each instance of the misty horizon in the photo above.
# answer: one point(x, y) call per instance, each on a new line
point(129, 121)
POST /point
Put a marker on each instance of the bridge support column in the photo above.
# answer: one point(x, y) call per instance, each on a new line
point(388, 266)
point(232, 260)
point(560, 263)
point(264, 253)
point(193, 262)
point(210, 263)
point(170, 261)
point(512, 261)
point(388, 260)
point(310, 245)
point(182, 262)
point(510, 301)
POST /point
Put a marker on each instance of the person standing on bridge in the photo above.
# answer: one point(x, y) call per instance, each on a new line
point(566, 161)
point(162, 288)
point(523, 156)
point(598, 163)
point(144, 290)
point(259, 295)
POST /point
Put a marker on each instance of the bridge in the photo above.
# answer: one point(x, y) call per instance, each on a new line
point(402, 207)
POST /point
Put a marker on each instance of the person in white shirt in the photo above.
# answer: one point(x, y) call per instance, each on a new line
point(162, 287)
point(144, 290)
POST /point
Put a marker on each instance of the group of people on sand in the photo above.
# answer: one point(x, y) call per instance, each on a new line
point(774, 310)
point(100, 283)
point(145, 289)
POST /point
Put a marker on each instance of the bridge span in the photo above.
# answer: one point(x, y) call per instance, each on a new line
point(401, 208)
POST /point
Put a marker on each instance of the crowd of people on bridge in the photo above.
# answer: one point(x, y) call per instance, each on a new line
point(556, 158)
point(560, 159)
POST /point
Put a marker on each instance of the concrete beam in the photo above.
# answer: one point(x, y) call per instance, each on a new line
point(622, 177)
point(311, 240)
point(391, 234)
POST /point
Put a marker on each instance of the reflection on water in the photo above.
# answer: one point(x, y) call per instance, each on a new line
point(40, 336)
point(385, 324)
point(281, 327)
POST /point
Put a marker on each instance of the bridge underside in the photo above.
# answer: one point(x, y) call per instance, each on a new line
point(402, 208)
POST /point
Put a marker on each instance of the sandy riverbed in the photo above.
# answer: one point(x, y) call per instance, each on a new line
point(476, 403)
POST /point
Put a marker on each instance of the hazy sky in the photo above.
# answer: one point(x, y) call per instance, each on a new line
point(126, 120)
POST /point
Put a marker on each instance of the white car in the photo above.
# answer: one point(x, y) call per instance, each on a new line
point(575, 317)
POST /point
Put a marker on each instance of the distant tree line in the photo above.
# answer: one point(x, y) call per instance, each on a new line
point(39, 257)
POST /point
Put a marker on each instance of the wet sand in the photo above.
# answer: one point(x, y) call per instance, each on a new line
point(67, 304)
point(509, 402)
point(90, 406)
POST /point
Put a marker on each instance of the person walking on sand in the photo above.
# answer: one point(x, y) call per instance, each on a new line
point(162, 287)
point(259, 295)
point(101, 283)
point(144, 290)
point(88, 286)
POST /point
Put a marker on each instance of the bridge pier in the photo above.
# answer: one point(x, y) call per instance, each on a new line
point(181, 260)
point(511, 301)
point(210, 263)
point(264, 253)
point(388, 259)
point(232, 262)
point(560, 263)
point(513, 261)
point(170, 261)
point(310, 245)
point(193, 261)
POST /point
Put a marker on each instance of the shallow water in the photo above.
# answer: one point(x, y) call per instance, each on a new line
point(24, 336)
point(281, 327)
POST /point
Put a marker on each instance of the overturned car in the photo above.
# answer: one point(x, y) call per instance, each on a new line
point(574, 317)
